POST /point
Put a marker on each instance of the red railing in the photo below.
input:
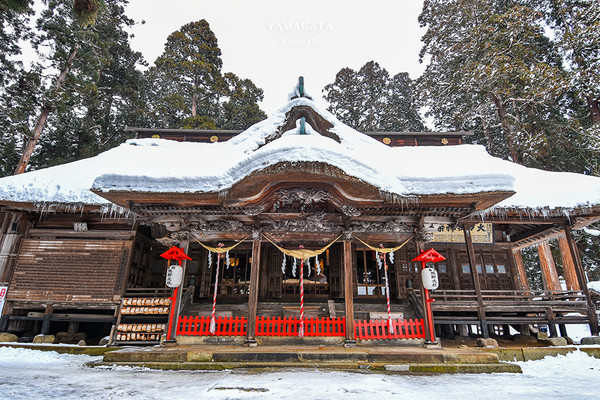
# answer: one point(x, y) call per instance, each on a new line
point(379, 329)
point(288, 326)
point(314, 327)
point(224, 326)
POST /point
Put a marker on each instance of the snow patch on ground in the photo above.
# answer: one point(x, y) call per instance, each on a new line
point(31, 374)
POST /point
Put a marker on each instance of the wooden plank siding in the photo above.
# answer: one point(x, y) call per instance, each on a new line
point(70, 270)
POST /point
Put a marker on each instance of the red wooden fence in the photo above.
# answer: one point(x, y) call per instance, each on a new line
point(379, 329)
point(225, 326)
point(288, 326)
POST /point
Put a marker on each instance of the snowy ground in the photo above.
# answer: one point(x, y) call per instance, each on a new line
point(31, 374)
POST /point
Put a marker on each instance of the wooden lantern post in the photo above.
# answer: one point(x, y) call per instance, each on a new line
point(177, 254)
point(429, 256)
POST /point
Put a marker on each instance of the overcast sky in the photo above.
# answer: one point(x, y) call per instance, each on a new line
point(273, 42)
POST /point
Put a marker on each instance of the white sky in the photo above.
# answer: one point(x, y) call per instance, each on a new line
point(273, 42)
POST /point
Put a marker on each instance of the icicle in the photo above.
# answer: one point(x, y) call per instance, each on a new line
point(308, 266)
point(391, 257)
point(379, 263)
point(294, 268)
point(283, 265)
point(209, 259)
point(318, 265)
point(227, 259)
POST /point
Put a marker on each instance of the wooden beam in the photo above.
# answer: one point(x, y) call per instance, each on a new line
point(70, 233)
point(541, 235)
point(476, 283)
point(593, 317)
point(549, 273)
point(568, 263)
point(520, 266)
point(253, 294)
point(348, 292)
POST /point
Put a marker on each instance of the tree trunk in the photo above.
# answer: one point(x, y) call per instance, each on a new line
point(488, 137)
point(43, 117)
point(195, 97)
point(506, 127)
point(594, 108)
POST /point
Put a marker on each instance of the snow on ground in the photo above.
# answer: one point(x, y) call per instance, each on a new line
point(31, 374)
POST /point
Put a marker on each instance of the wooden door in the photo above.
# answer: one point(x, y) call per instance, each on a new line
point(275, 276)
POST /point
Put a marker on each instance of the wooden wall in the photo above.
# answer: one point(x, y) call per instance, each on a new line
point(70, 270)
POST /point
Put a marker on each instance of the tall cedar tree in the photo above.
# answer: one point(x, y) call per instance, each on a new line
point(186, 88)
point(87, 111)
point(487, 56)
point(101, 97)
point(65, 41)
point(369, 100)
point(15, 84)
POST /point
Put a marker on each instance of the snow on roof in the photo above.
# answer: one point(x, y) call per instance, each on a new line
point(158, 165)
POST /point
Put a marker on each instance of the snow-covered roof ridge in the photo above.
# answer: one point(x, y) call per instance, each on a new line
point(162, 166)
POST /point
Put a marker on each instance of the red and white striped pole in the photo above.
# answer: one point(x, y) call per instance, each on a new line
point(213, 326)
point(387, 293)
point(301, 329)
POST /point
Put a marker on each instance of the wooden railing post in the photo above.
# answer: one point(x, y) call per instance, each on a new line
point(253, 293)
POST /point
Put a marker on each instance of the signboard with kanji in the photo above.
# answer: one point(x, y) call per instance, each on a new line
point(482, 233)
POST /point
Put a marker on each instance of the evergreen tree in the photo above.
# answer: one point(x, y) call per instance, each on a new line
point(100, 98)
point(191, 67)
point(14, 18)
point(16, 102)
point(240, 110)
point(369, 100)
point(84, 110)
point(487, 55)
point(63, 26)
point(186, 88)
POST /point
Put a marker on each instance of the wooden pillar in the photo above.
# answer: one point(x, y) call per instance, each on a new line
point(520, 266)
point(454, 267)
point(253, 294)
point(349, 292)
point(476, 283)
point(47, 319)
point(512, 269)
point(185, 246)
point(568, 264)
point(549, 273)
point(593, 318)
point(5, 317)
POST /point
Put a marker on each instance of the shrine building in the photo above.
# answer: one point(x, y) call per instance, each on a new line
point(299, 228)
